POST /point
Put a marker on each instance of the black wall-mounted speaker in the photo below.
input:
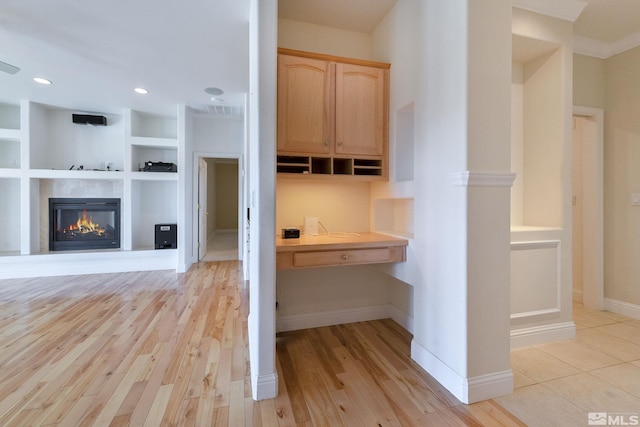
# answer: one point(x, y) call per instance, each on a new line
point(88, 119)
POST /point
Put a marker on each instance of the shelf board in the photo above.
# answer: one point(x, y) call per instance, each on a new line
point(10, 173)
point(154, 176)
point(75, 174)
point(154, 142)
point(12, 134)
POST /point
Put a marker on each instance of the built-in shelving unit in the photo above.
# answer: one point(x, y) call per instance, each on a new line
point(44, 154)
point(329, 166)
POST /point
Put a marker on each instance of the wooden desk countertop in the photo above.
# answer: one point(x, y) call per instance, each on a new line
point(339, 249)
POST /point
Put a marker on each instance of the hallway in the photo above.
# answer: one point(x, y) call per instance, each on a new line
point(222, 246)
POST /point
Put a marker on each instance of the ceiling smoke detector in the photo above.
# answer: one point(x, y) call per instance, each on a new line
point(214, 91)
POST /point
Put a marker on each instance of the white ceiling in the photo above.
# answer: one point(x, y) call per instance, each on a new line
point(96, 53)
point(355, 15)
point(608, 20)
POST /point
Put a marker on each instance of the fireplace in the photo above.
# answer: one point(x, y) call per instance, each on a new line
point(85, 223)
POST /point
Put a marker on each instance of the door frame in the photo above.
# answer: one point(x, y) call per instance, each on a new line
point(202, 194)
point(593, 248)
point(194, 209)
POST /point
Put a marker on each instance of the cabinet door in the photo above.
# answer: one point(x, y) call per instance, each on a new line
point(361, 122)
point(305, 113)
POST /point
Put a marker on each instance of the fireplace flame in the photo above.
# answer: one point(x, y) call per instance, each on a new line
point(85, 225)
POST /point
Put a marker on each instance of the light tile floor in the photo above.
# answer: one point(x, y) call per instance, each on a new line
point(222, 246)
point(558, 384)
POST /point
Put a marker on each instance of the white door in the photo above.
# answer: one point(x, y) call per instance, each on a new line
point(202, 208)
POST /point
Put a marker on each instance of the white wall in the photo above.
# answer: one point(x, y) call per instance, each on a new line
point(337, 206)
point(321, 39)
point(622, 179)
point(262, 153)
point(457, 66)
point(588, 81)
point(541, 95)
point(214, 134)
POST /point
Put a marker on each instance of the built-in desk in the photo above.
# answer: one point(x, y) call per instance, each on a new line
point(339, 249)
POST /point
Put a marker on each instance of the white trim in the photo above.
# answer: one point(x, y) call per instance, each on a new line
point(536, 313)
point(482, 179)
point(590, 47)
point(536, 245)
point(467, 390)
point(264, 386)
point(401, 318)
point(75, 263)
point(242, 218)
point(593, 250)
point(489, 386)
point(525, 337)
point(622, 307)
point(567, 10)
point(629, 41)
point(334, 317)
point(604, 50)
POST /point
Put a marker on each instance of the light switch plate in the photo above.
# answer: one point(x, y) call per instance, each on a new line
point(635, 199)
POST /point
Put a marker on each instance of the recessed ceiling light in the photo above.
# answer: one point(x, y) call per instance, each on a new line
point(42, 80)
point(141, 90)
point(214, 91)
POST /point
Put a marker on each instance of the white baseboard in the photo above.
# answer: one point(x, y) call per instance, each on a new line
point(335, 317)
point(264, 387)
point(525, 337)
point(401, 318)
point(467, 390)
point(74, 263)
point(623, 308)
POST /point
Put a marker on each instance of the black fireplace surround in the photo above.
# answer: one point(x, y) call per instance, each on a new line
point(84, 223)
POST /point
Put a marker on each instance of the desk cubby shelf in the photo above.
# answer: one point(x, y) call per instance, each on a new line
point(329, 166)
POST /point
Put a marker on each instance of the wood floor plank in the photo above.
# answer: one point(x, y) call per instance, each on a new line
point(159, 348)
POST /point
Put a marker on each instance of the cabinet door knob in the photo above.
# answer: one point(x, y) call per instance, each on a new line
point(326, 142)
point(345, 257)
point(339, 142)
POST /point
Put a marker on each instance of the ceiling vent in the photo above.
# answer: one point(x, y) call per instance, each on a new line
point(216, 109)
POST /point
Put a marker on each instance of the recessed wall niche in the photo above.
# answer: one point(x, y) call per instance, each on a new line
point(394, 216)
point(10, 215)
point(404, 144)
point(537, 137)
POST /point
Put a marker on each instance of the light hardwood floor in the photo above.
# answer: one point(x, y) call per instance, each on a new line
point(159, 348)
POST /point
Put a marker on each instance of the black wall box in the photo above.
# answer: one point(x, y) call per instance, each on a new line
point(88, 119)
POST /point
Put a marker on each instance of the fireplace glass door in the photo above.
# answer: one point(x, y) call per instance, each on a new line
point(85, 223)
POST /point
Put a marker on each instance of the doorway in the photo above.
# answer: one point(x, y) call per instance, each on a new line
point(218, 207)
point(588, 207)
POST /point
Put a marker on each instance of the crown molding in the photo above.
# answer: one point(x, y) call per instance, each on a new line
point(591, 47)
point(603, 50)
point(482, 179)
point(567, 10)
point(625, 43)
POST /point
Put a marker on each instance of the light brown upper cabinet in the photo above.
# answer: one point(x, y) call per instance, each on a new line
point(305, 104)
point(332, 115)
